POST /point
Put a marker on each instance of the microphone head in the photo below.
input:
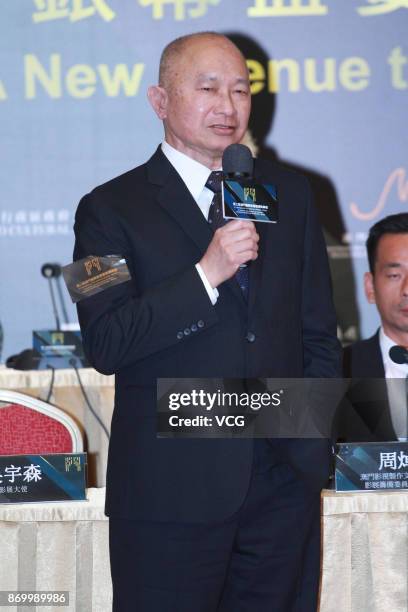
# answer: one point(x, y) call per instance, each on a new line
point(398, 354)
point(51, 270)
point(237, 160)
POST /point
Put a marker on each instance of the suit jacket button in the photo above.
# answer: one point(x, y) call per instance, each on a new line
point(250, 336)
point(187, 331)
point(200, 323)
point(194, 327)
point(180, 335)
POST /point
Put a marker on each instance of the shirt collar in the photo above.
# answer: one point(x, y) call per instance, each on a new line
point(193, 173)
point(392, 370)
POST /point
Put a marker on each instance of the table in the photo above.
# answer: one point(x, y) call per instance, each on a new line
point(67, 395)
point(365, 552)
point(57, 546)
point(64, 546)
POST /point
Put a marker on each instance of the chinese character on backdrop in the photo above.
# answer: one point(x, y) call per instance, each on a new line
point(195, 8)
point(287, 8)
point(75, 10)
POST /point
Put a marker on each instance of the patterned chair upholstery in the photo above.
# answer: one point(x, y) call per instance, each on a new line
point(31, 426)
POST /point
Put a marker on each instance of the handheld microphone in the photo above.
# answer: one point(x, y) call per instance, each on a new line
point(244, 196)
point(238, 163)
point(398, 354)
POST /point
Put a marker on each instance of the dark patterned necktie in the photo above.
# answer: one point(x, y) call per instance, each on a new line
point(216, 220)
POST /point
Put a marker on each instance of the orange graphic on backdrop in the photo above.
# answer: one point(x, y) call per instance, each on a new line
point(398, 178)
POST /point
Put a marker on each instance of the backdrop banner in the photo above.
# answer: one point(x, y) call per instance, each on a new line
point(330, 93)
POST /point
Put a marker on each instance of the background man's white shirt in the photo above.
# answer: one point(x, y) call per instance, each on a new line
point(396, 375)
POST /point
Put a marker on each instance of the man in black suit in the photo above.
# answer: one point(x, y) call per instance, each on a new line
point(379, 407)
point(207, 525)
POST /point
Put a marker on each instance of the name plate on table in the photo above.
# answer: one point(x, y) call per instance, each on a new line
point(372, 466)
point(58, 349)
point(40, 478)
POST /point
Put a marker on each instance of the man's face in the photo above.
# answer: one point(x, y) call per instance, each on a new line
point(205, 104)
point(388, 287)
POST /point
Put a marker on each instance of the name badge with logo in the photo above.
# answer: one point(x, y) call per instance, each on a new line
point(250, 201)
point(94, 274)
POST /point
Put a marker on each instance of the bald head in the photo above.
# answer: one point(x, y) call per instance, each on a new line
point(203, 97)
point(174, 52)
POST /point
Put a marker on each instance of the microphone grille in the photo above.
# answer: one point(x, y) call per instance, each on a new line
point(237, 159)
point(398, 354)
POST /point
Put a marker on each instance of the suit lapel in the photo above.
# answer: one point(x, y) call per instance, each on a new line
point(177, 201)
point(372, 365)
point(376, 413)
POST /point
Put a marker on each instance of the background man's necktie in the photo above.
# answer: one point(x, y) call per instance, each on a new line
point(216, 220)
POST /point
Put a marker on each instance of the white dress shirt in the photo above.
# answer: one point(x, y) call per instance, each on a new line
point(195, 176)
point(396, 375)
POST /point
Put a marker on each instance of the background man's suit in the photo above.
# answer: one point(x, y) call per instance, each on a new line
point(367, 417)
point(162, 324)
